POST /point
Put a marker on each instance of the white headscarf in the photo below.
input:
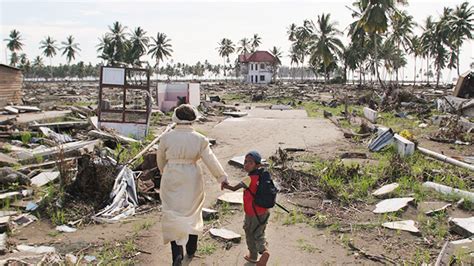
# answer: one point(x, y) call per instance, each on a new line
point(175, 119)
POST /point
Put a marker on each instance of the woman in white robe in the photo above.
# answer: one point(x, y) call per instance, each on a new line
point(182, 184)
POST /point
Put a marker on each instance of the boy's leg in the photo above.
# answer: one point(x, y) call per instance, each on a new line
point(259, 233)
point(261, 242)
point(249, 227)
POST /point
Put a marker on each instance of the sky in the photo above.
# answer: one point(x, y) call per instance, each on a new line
point(194, 27)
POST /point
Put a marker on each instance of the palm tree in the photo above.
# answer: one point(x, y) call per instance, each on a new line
point(49, 50)
point(373, 19)
point(427, 38)
point(118, 43)
point(256, 41)
point(106, 50)
point(294, 58)
point(70, 49)
point(325, 44)
point(461, 27)
point(276, 52)
point(160, 48)
point(415, 49)
point(37, 64)
point(244, 47)
point(225, 48)
point(139, 44)
point(402, 30)
point(14, 44)
point(292, 32)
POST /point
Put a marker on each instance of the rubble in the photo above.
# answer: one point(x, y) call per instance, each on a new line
point(387, 189)
point(232, 197)
point(391, 205)
point(44, 178)
point(225, 234)
point(449, 190)
point(408, 225)
point(463, 226)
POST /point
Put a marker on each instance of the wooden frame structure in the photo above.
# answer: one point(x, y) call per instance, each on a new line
point(126, 82)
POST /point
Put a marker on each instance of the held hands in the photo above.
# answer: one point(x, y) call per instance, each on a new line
point(224, 184)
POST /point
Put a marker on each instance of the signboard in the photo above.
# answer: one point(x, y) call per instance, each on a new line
point(113, 76)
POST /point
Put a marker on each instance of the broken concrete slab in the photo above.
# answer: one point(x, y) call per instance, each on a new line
point(51, 151)
point(25, 109)
point(235, 114)
point(463, 226)
point(387, 189)
point(44, 178)
point(7, 213)
point(430, 208)
point(392, 205)
point(280, 107)
point(56, 137)
point(65, 229)
point(11, 110)
point(465, 85)
point(404, 146)
point(232, 197)
point(30, 117)
point(407, 225)
point(449, 190)
point(6, 160)
point(36, 249)
point(3, 243)
point(225, 234)
point(24, 220)
point(209, 214)
point(370, 114)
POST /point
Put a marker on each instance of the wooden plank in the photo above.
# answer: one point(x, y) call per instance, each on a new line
point(11, 109)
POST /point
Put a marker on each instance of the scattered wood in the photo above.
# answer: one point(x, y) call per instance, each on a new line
point(11, 110)
point(72, 147)
point(36, 250)
point(25, 109)
point(44, 178)
point(378, 258)
point(235, 114)
point(109, 136)
point(441, 254)
point(63, 125)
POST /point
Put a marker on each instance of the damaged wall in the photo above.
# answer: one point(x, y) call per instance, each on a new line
point(11, 80)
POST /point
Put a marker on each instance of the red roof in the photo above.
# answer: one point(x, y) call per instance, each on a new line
point(258, 56)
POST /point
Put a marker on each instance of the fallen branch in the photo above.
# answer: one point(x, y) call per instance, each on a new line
point(381, 258)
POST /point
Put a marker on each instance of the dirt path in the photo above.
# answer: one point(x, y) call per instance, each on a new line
point(263, 130)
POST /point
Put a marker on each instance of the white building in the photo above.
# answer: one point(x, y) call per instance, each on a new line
point(256, 67)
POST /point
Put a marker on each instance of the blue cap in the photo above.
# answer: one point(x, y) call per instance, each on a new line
point(256, 156)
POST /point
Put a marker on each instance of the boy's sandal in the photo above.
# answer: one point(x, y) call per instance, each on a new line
point(263, 259)
point(247, 258)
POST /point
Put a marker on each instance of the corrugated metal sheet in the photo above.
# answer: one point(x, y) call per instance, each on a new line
point(11, 80)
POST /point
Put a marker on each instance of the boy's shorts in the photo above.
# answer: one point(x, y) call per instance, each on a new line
point(255, 233)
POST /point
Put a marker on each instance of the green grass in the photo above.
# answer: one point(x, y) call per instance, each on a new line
point(316, 109)
point(121, 253)
point(354, 182)
point(25, 137)
point(145, 226)
point(306, 247)
point(206, 248)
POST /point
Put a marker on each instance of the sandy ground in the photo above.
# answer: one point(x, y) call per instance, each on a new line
point(265, 131)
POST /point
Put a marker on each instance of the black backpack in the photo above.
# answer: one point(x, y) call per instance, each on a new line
point(266, 190)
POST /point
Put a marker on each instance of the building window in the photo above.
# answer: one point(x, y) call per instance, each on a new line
point(262, 66)
point(256, 66)
point(251, 78)
point(251, 66)
point(262, 78)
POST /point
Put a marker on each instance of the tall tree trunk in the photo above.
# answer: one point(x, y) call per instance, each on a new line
point(458, 50)
point(51, 66)
point(427, 71)
point(377, 61)
point(360, 75)
point(414, 74)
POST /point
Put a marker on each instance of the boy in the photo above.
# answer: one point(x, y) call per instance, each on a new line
point(256, 217)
